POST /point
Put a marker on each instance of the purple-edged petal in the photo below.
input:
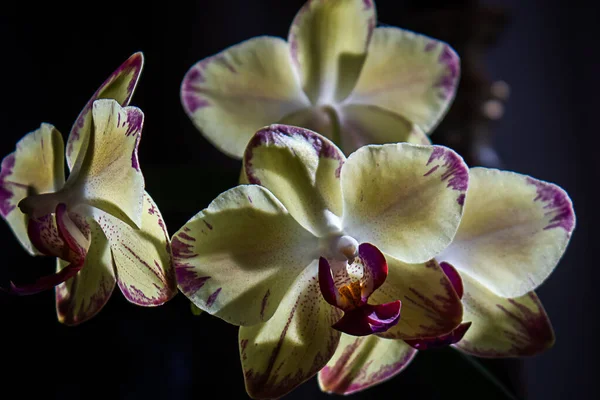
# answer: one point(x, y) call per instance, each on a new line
point(430, 306)
point(83, 296)
point(294, 344)
point(37, 166)
point(302, 169)
point(142, 257)
point(119, 86)
point(328, 42)
point(406, 199)
point(237, 258)
point(504, 327)
point(441, 341)
point(232, 94)
point(107, 173)
point(369, 319)
point(363, 124)
point(410, 75)
point(362, 362)
point(513, 232)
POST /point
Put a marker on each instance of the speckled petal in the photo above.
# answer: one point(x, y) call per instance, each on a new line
point(503, 327)
point(37, 166)
point(294, 344)
point(362, 362)
point(408, 74)
point(237, 258)
point(430, 305)
point(142, 258)
point(406, 199)
point(363, 124)
point(513, 232)
point(119, 86)
point(328, 42)
point(83, 296)
point(107, 173)
point(232, 94)
point(302, 169)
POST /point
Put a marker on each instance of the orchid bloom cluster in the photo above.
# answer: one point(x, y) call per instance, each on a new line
point(342, 253)
point(101, 225)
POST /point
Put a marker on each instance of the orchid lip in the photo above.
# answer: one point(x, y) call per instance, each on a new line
point(349, 284)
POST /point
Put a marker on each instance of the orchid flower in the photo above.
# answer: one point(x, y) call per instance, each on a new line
point(99, 223)
point(337, 75)
point(513, 232)
point(318, 244)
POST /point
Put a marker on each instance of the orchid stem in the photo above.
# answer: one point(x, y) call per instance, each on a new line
point(491, 377)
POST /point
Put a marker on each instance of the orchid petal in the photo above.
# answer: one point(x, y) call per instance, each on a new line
point(119, 86)
point(369, 319)
point(504, 327)
point(362, 362)
point(513, 232)
point(405, 198)
point(107, 174)
point(83, 296)
point(302, 169)
point(142, 256)
point(37, 166)
point(430, 306)
point(328, 42)
point(294, 344)
point(375, 269)
point(237, 258)
point(441, 341)
point(363, 124)
point(232, 94)
point(408, 74)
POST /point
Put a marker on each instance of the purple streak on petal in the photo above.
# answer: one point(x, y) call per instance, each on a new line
point(139, 297)
point(211, 299)
point(454, 278)
point(8, 163)
point(368, 4)
point(272, 136)
point(456, 172)
point(369, 319)
point(187, 237)
point(375, 269)
point(326, 284)
point(191, 87)
point(432, 44)
point(193, 102)
point(209, 226)
point(448, 81)
point(343, 378)
point(73, 313)
point(461, 199)
point(441, 341)
point(263, 304)
point(135, 121)
point(557, 203)
point(531, 332)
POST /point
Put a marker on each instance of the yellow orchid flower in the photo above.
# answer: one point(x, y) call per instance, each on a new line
point(337, 75)
point(318, 244)
point(513, 232)
point(99, 223)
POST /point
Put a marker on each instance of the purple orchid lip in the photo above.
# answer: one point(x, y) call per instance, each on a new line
point(441, 341)
point(351, 295)
point(53, 240)
point(369, 319)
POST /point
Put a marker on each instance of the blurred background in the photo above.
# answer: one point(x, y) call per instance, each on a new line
point(528, 102)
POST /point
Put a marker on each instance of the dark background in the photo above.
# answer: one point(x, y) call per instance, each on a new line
point(54, 57)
